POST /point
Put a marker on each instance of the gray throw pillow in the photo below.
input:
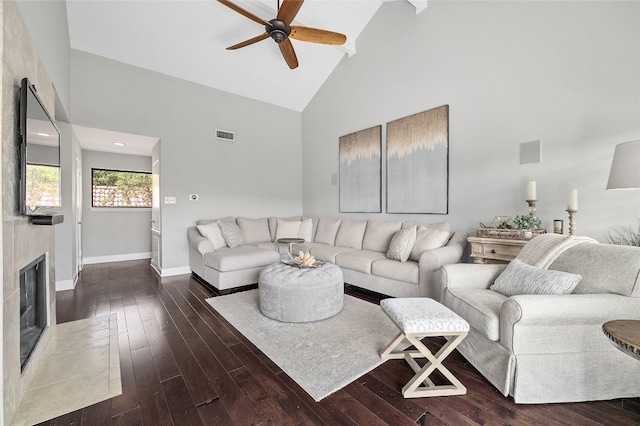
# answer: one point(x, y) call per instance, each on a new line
point(402, 244)
point(232, 234)
point(520, 278)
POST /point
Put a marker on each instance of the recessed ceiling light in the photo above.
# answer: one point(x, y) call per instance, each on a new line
point(118, 144)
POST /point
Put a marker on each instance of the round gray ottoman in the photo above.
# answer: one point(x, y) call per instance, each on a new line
point(291, 294)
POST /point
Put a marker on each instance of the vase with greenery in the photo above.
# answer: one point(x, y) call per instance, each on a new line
point(528, 222)
point(624, 235)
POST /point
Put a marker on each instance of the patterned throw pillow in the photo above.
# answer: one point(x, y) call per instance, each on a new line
point(402, 244)
point(232, 234)
point(520, 278)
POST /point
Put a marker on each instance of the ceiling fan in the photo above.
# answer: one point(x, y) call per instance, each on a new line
point(280, 29)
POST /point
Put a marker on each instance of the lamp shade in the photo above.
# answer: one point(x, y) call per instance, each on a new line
point(625, 168)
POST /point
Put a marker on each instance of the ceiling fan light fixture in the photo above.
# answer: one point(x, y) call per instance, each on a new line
point(278, 30)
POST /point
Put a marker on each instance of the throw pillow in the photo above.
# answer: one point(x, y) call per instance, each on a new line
point(232, 234)
point(428, 239)
point(520, 278)
point(401, 244)
point(306, 230)
point(287, 228)
point(211, 231)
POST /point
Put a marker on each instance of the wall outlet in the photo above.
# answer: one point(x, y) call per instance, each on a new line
point(193, 197)
point(169, 200)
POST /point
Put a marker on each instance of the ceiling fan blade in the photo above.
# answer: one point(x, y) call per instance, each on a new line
point(244, 12)
point(289, 54)
point(289, 10)
point(315, 35)
point(248, 42)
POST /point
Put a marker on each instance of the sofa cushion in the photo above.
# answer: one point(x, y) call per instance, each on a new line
point(211, 231)
point(378, 234)
point(520, 278)
point(402, 244)
point(238, 258)
point(326, 252)
point(479, 307)
point(294, 229)
point(231, 233)
point(440, 226)
point(358, 260)
point(428, 239)
point(394, 270)
point(327, 230)
point(254, 230)
point(351, 233)
point(604, 268)
point(273, 225)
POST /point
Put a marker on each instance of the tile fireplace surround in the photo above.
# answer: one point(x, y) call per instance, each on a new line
point(22, 243)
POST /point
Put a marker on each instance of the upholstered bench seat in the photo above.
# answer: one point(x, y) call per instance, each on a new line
point(418, 318)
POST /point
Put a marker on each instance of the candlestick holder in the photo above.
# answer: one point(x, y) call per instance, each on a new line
point(532, 207)
point(572, 221)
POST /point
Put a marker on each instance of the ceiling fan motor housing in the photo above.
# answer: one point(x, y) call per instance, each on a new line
point(278, 30)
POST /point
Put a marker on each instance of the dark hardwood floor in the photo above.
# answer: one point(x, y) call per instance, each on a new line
point(183, 364)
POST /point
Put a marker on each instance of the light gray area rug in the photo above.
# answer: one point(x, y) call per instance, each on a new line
point(321, 356)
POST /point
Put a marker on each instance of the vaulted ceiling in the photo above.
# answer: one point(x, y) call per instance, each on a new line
point(188, 40)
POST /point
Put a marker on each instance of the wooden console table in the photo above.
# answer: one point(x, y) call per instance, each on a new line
point(494, 250)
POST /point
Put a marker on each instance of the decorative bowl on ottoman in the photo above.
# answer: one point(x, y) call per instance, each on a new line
point(291, 294)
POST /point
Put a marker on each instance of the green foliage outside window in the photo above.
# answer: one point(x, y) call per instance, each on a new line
point(113, 188)
point(44, 186)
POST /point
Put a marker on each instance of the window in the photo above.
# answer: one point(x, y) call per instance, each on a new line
point(122, 189)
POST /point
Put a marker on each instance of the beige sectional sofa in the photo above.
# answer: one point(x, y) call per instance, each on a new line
point(542, 348)
point(359, 247)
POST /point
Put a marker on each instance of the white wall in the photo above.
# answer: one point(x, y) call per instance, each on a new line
point(113, 234)
point(65, 233)
point(259, 175)
point(48, 27)
point(564, 73)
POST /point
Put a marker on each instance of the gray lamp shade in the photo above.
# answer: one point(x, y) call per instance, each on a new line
point(625, 168)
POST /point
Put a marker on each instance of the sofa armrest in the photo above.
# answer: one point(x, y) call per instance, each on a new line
point(197, 242)
point(568, 309)
point(432, 260)
point(470, 275)
point(537, 323)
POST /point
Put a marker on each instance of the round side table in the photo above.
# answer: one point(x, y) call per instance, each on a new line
point(291, 242)
point(625, 335)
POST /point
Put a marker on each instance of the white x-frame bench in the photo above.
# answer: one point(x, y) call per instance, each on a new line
point(418, 318)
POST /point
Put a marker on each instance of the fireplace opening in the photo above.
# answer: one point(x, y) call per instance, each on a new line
point(33, 307)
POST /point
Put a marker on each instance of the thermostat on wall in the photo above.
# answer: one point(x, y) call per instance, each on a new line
point(225, 135)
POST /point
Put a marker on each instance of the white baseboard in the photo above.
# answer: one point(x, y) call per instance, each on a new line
point(65, 285)
point(170, 272)
point(115, 258)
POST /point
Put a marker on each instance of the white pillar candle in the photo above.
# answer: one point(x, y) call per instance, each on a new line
point(572, 200)
point(531, 190)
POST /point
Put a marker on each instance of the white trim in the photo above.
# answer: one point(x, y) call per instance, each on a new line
point(420, 5)
point(170, 272)
point(65, 285)
point(115, 258)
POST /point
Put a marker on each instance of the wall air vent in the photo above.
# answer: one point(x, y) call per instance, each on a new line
point(225, 135)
